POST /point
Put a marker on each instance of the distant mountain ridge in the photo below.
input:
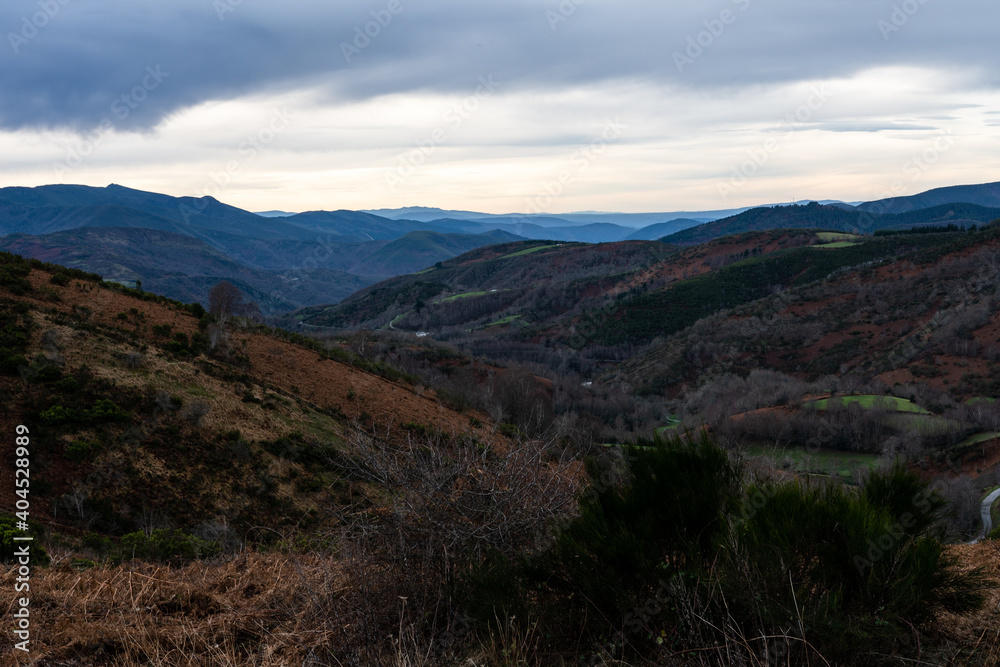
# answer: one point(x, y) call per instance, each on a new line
point(836, 218)
point(291, 260)
point(181, 246)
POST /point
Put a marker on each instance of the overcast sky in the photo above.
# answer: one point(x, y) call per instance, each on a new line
point(502, 106)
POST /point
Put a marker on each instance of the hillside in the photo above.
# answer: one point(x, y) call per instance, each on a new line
point(986, 195)
point(181, 246)
point(653, 324)
point(835, 218)
point(252, 484)
point(90, 342)
point(180, 266)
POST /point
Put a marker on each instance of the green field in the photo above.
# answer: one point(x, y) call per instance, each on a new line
point(833, 462)
point(980, 399)
point(464, 295)
point(832, 237)
point(923, 424)
point(868, 401)
point(527, 251)
point(838, 244)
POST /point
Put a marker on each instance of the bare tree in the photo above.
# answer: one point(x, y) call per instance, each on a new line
point(224, 300)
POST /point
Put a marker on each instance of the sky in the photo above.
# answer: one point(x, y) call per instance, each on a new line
point(506, 106)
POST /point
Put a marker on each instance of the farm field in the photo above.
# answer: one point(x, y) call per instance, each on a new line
point(834, 237)
point(824, 462)
point(869, 401)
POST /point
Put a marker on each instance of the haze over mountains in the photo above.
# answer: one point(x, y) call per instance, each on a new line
point(180, 246)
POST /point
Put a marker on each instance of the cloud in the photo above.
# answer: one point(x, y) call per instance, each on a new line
point(66, 67)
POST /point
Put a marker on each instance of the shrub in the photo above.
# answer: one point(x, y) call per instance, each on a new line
point(163, 545)
point(9, 547)
point(105, 410)
point(68, 384)
point(81, 450)
point(195, 411)
point(58, 414)
point(673, 544)
point(667, 517)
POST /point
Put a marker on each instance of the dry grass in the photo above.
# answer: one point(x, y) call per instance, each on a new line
point(250, 609)
point(973, 639)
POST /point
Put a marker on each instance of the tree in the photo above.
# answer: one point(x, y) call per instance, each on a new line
point(225, 300)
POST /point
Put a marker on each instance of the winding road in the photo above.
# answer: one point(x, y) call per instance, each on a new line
point(987, 518)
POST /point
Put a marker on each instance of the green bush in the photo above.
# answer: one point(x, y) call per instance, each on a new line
point(9, 547)
point(103, 410)
point(68, 385)
point(106, 410)
point(60, 279)
point(81, 450)
point(164, 545)
point(58, 414)
point(674, 543)
point(666, 518)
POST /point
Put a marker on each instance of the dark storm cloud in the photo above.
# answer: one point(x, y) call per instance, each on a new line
point(81, 63)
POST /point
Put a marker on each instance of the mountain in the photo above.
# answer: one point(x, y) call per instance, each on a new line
point(633, 220)
point(986, 194)
point(181, 246)
point(304, 499)
point(597, 232)
point(836, 218)
point(661, 229)
point(424, 213)
point(420, 250)
point(274, 214)
point(181, 267)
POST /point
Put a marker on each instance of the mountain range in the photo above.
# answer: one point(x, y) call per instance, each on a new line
point(180, 246)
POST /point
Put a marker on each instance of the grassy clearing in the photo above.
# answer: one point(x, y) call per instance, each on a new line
point(869, 401)
point(923, 424)
point(841, 464)
point(527, 251)
point(464, 295)
point(835, 237)
point(975, 400)
point(838, 244)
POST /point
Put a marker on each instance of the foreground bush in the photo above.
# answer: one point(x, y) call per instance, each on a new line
point(683, 555)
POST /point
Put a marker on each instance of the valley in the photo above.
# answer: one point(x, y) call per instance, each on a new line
point(424, 432)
